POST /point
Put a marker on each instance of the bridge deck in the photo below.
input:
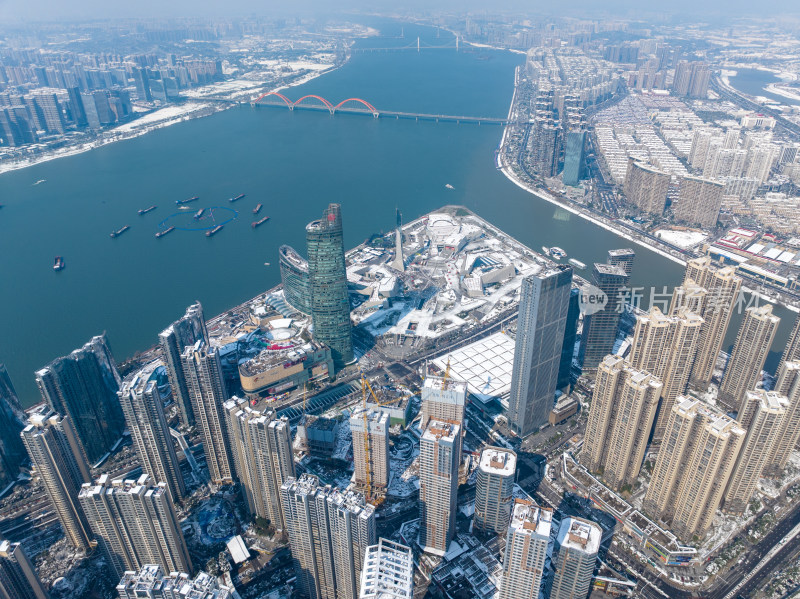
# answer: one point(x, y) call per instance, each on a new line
point(396, 114)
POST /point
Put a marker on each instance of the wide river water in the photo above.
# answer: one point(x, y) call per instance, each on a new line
point(295, 163)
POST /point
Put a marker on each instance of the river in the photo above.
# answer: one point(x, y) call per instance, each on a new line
point(292, 162)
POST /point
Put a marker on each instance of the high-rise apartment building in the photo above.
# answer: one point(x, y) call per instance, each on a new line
point(329, 532)
point(690, 297)
point(388, 571)
point(600, 328)
point(48, 104)
point(262, 453)
point(55, 452)
point(691, 79)
point(749, 354)
point(623, 257)
point(135, 524)
point(646, 187)
point(723, 288)
point(18, 578)
point(442, 399)
point(787, 438)
point(370, 430)
point(621, 415)
point(693, 467)
point(439, 462)
point(577, 544)
point(570, 337)
point(12, 451)
point(83, 386)
point(768, 410)
point(151, 582)
point(294, 278)
point(144, 412)
point(544, 304)
point(526, 549)
point(204, 381)
point(791, 352)
point(494, 490)
point(666, 346)
point(698, 201)
point(327, 278)
point(173, 340)
point(544, 145)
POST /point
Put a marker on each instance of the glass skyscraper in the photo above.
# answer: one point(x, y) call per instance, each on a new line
point(574, 158)
point(544, 304)
point(294, 278)
point(327, 277)
point(600, 328)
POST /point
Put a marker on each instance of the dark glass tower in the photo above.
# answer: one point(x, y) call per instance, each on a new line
point(574, 158)
point(570, 335)
point(600, 328)
point(294, 278)
point(543, 308)
point(83, 386)
point(327, 277)
point(12, 452)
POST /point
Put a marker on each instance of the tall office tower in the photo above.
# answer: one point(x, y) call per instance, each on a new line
point(494, 490)
point(388, 571)
point(666, 346)
point(541, 324)
point(327, 277)
point(600, 328)
point(152, 583)
point(56, 454)
point(723, 288)
point(142, 82)
point(442, 399)
point(12, 451)
point(101, 103)
point(623, 258)
point(14, 131)
point(51, 110)
point(570, 337)
point(689, 297)
point(83, 386)
point(790, 354)
point(693, 467)
point(574, 158)
point(577, 544)
point(749, 354)
point(623, 407)
point(329, 532)
point(18, 579)
point(768, 412)
point(787, 437)
point(526, 550)
point(92, 116)
point(646, 187)
point(698, 201)
point(144, 413)
point(398, 262)
point(135, 524)
point(370, 430)
point(262, 453)
point(204, 381)
point(173, 340)
point(76, 106)
point(294, 278)
point(439, 461)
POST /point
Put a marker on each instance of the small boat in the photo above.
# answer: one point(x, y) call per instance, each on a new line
point(186, 201)
point(448, 186)
point(214, 231)
point(164, 232)
point(557, 253)
point(577, 263)
point(40, 181)
point(257, 209)
point(237, 198)
point(119, 232)
point(258, 223)
point(266, 263)
point(144, 211)
point(59, 264)
point(546, 250)
point(199, 214)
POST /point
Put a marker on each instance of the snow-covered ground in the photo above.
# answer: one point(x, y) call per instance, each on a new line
point(164, 116)
point(682, 239)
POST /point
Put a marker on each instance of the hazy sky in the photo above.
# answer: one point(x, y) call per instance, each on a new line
point(30, 10)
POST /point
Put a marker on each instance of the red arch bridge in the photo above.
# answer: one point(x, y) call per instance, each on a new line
point(359, 106)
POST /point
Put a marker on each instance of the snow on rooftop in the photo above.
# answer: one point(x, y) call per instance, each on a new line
point(238, 549)
point(498, 461)
point(580, 535)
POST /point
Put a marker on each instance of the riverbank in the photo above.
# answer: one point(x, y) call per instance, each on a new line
point(195, 107)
